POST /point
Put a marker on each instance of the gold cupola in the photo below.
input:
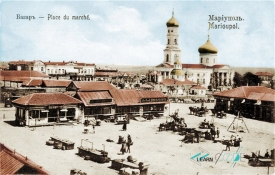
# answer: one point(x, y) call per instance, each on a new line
point(172, 22)
point(208, 47)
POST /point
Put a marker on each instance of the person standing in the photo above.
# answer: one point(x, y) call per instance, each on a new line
point(228, 144)
point(129, 143)
point(218, 133)
point(197, 135)
point(124, 127)
point(212, 133)
point(123, 147)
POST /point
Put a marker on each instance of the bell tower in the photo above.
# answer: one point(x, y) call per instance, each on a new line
point(172, 53)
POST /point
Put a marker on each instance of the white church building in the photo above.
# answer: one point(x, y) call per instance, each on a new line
point(207, 73)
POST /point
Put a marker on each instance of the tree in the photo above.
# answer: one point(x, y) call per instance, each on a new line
point(238, 80)
point(251, 80)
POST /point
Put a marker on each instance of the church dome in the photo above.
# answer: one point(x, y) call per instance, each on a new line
point(177, 72)
point(208, 47)
point(172, 22)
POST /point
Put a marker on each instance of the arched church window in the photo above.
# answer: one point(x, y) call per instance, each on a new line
point(168, 31)
point(201, 60)
point(168, 41)
point(171, 30)
point(175, 41)
point(167, 58)
point(207, 60)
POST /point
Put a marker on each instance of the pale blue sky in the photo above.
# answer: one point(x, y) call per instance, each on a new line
point(134, 32)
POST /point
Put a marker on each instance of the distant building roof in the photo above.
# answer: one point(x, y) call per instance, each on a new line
point(56, 83)
point(263, 74)
point(32, 82)
point(41, 99)
point(165, 65)
point(12, 163)
point(15, 75)
point(92, 85)
point(198, 87)
point(148, 86)
point(105, 74)
point(201, 66)
point(63, 63)
point(20, 62)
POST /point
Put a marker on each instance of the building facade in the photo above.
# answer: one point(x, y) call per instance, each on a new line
point(71, 70)
point(256, 102)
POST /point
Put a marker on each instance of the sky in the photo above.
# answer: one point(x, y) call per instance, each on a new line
point(134, 32)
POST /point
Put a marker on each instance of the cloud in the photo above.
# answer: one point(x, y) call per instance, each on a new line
point(126, 21)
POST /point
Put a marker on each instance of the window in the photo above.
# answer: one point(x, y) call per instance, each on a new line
point(207, 60)
point(168, 31)
point(31, 68)
point(168, 41)
point(167, 58)
point(171, 30)
point(42, 69)
point(175, 41)
point(201, 60)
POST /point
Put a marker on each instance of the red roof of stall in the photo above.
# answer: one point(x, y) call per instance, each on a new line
point(93, 85)
point(47, 99)
point(56, 83)
point(245, 91)
point(87, 96)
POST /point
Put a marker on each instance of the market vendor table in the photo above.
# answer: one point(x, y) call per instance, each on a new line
point(62, 143)
point(94, 155)
point(117, 164)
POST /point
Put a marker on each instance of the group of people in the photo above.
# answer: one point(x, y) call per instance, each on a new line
point(212, 133)
point(234, 141)
point(125, 146)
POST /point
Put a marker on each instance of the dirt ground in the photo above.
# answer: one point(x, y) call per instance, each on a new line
point(163, 150)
